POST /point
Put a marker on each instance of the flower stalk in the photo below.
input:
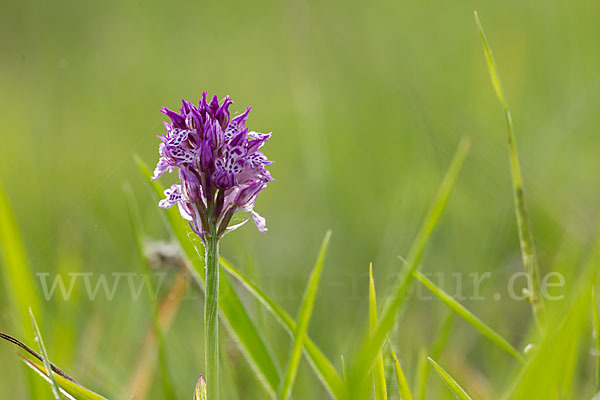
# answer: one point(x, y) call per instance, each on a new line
point(221, 171)
point(211, 312)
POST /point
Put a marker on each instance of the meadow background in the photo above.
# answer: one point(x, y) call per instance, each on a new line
point(366, 102)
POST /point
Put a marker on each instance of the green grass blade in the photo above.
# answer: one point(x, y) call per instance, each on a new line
point(438, 345)
point(475, 322)
point(304, 314)
point(138, 233)
point(379, 370)
point(556, 359)
point(71, 388)
point(596, 335)
point(403, 389)
point(47, 364)
point(421, 374)
point(371, 347)
point(21, 291)
point(320, 364)
point(523, 224)
point(234, 315)
point(454, 387)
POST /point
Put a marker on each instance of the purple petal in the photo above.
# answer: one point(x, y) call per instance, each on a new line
point(173, 195)
point(260, 222)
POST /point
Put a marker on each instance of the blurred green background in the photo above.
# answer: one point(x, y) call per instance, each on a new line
point(366, 101)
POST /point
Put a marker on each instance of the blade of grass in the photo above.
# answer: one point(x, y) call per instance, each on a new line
point(436, 350)
point(21, 291)
point(154, 343)
point(371, 347)
point(320, 364)
point(475, 322)
point(596, 336)
point(557, 357)
point(379, 370)
point(68, 387)
point(35, 354)
point(403, 389)
point(422, 371)
point(523, 224)
point(235, 317)
point(47, 364)
point(304, 314)
point(454, 387)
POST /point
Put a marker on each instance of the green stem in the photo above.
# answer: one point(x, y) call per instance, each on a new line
point(211, 311)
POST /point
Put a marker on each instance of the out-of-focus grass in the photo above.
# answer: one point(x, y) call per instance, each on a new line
point(366, 103)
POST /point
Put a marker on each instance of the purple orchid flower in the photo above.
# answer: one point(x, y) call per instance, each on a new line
point(221, 167)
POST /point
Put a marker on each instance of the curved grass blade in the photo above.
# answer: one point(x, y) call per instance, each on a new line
point(371, 347)
point(454, 387)
point(523, 224)
point(403, 388)
point(35, 354)
point(304, 314)
point(68, 387)
point(475, 322)
point(379, 370)
point(596, 335)
point(557, 359)
point(22, 290)
point(320, 364)
point(234, 315)
point(47, 364)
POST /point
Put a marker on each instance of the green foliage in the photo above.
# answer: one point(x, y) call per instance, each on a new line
point(379, 369)
point(372, 346)
point(38, 338)
point(403, 389)
point(525, 233)
point(20, 286)
point(454, 387)
point(304, 314)
point(475, 322)
point(320, 364)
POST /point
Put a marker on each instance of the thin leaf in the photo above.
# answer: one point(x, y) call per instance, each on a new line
point(67, 387)
point(403, 388)
point(475, 322)
point(320, 364)
point(35, 354)
point(422, 372)
point(596, 335)
point(47, 364)
point(523, 224)
point(20, 287)
point(304, 314)
point(454, 387)
point(555, 360)
point(234, 315)
point(371, 347)
point(379, 370)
